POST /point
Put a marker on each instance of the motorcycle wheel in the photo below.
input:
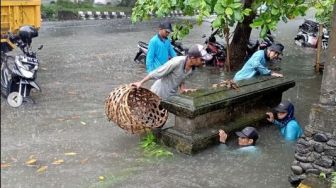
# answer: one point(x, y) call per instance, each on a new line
point(141, 59)
point(15, 99)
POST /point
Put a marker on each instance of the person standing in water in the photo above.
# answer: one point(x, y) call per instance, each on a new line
point(290, 129)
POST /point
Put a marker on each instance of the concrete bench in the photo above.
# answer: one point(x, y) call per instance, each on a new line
point(200, 114)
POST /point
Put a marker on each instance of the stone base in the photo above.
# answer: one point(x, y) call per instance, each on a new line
point(322, 118)
point(193, 143)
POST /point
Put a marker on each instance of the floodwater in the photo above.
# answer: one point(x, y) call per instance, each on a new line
point(81, 63)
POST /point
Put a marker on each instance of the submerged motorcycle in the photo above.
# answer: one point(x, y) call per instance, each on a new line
point(307, 35)
point(217, 50)
point(18, 73)
point(140, 57)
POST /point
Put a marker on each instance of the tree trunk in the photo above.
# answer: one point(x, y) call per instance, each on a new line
point(227, 64)
point(240, 39)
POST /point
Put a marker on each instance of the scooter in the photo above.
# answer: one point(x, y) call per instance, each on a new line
point(140, 57)
point(307, 35)
point(18, 73)
point(217, 50)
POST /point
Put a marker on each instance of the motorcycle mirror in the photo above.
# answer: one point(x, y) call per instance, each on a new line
point(40, 48)
point(203, 36)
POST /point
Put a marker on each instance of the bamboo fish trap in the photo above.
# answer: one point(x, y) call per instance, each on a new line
point(135, 110)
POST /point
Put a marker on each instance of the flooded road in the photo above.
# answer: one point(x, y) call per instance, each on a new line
point(81, 62)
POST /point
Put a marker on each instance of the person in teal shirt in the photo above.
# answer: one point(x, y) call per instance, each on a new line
point(290, 129)
point(256, 65)
point(160, 49)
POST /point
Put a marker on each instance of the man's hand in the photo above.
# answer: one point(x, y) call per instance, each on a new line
point(270, 117)
point(188, 90)
point(276, 74)
point(136, 84)
point(222, 136)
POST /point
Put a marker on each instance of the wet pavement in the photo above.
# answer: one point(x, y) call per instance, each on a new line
point(81, 62)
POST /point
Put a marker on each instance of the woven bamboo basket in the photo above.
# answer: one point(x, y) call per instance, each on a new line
point(135, 110)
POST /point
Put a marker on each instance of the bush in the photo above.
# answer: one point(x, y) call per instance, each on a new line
point(48, 11)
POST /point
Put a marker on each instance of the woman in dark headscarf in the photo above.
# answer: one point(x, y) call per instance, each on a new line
point(290, 129)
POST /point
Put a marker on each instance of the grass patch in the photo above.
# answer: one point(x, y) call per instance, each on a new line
point(152, 149)
point(332, 178)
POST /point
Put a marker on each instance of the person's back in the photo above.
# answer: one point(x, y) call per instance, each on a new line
point(169, 77)
point(256, 64)
point(292, 130)
point(159, 48)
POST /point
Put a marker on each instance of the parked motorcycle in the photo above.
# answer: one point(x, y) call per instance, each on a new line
point(140, 57)
point(307, 35)
point(18, 73)
point(217, 50)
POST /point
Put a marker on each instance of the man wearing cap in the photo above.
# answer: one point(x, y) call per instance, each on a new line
point(257, 63)
point(170, 76)
point(246, 137)
point(290, 129)
point(160, 48)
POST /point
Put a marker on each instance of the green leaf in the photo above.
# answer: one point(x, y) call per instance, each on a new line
point(275, 11)
point(236, 5)
point(194, 3)
point(263, 31)
point(269, 20)
point(228, 11)
point(217, 23)
point(219, 9)
point(247, 11)
point(237, 16)
point(257, 23)
point(224, 3)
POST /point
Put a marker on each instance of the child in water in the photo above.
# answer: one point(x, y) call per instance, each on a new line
point(290, 129)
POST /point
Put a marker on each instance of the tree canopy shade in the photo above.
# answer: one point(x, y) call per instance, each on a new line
point(324, 9)
point(243, 14)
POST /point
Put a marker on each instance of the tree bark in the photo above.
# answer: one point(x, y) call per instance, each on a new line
point(240, 39)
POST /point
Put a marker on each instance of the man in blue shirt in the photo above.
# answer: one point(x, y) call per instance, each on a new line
point(257, 63)
point(160, 49)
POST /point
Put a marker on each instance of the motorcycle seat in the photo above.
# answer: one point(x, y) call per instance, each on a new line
point(143, 44)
